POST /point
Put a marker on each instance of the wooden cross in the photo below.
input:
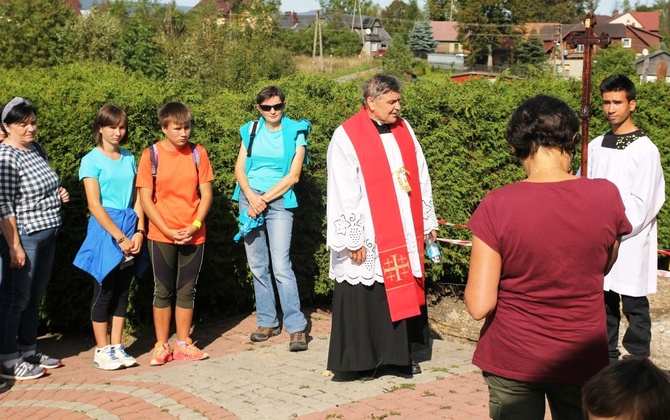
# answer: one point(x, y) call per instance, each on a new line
point(588, 39)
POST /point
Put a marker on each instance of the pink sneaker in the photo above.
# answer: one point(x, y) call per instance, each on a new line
point(188, 351)
point(162, 354)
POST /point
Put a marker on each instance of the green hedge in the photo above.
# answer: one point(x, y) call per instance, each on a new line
point(460, 126)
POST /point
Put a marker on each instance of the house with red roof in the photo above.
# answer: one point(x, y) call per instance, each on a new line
point(649, 21)
point(446, 34)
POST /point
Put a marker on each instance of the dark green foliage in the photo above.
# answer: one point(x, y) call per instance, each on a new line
point(664, 7)
point(398, 60)
point(482, 26)
point(138, 44)
point(530, 52)
point(337, 40)
point(562, 11)
point(421, 38)
point(614, 59)
point(399, 17)
point(33, 32)
point(460, 127)
point(439, 9)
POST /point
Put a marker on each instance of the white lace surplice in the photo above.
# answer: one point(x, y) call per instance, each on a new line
point(348, 212)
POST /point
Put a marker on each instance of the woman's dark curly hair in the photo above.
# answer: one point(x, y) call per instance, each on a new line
point(542, 121)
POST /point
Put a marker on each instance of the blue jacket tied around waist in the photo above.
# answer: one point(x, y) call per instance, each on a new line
point(100, 254)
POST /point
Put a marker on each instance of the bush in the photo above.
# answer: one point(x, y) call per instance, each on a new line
point(460, 127)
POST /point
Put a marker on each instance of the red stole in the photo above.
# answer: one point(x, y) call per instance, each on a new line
point(405, 292)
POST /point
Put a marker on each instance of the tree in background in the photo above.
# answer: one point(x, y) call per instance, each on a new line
point(439, 9)
point(614, 59)
point(338, 41)
point(663, 6)
point(398, 60)
point(530, 52)
point(368, 8)
point(399, 17)
point(33, 32)
point(139, 40)
point(482, 26)
point(421, 38)
point(97, 38)
point(591, 5)
point(561, 11)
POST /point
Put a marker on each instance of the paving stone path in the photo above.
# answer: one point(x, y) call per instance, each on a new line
point(245, 380)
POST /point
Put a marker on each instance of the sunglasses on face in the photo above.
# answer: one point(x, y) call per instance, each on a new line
point(276, 107)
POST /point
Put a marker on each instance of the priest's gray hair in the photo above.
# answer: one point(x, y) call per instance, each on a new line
point(380, 85)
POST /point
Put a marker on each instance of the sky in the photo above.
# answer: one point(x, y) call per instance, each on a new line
point(604, 6)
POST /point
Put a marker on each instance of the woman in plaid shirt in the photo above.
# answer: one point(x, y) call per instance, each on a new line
point(30, 200)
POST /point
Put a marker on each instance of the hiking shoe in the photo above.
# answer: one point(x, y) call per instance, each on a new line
point(105, 358)
point(43, 361)
point(263, 333)
point(298, 341)
point(22, 370)
point(161, 355)
point(188, 351)
point(125, 358)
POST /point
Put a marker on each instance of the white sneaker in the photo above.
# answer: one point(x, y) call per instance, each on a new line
point(125, 358)
point(105, 359)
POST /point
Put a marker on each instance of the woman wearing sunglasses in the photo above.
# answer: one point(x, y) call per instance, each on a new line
point(269, 163)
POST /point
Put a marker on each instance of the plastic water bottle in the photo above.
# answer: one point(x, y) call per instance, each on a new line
point(433, 250)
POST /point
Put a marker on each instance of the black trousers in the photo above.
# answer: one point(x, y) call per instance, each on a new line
point(637, 338)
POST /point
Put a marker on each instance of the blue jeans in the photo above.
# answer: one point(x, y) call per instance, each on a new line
point(22, 290)
point(277, 233)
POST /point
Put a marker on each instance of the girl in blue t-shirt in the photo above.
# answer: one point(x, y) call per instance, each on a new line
point(115, 234)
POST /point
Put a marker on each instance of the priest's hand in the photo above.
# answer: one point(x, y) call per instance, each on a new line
point(358, 256)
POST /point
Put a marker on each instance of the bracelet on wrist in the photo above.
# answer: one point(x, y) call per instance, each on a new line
point(141, 231)
point(120, 240)
point(197, 223)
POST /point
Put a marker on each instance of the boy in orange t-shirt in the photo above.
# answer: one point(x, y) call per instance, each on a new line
point(169, 182)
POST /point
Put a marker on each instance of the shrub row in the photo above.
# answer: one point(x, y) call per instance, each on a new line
point(460, 126)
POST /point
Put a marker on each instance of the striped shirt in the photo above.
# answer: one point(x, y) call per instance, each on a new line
point(28, 190)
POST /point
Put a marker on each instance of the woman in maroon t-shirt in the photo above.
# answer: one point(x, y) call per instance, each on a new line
point(541, 248)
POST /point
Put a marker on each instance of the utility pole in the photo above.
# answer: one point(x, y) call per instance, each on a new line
point(353, 15)
point(558, 50)
point(359, 7)
point(317, 33)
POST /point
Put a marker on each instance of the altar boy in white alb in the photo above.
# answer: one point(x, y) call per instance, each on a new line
point(628, 158)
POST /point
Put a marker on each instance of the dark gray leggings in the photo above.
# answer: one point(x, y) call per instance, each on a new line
point(175, 267)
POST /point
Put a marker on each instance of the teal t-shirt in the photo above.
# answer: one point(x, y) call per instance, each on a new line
point(267, 158)
point(116, 177)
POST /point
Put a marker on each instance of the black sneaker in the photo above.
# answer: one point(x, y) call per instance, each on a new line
point(298, 341)
point(22, 370)
point(263, 333)
point(43, 361)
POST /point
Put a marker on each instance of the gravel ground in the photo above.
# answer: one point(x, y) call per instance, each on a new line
point(450, 320)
